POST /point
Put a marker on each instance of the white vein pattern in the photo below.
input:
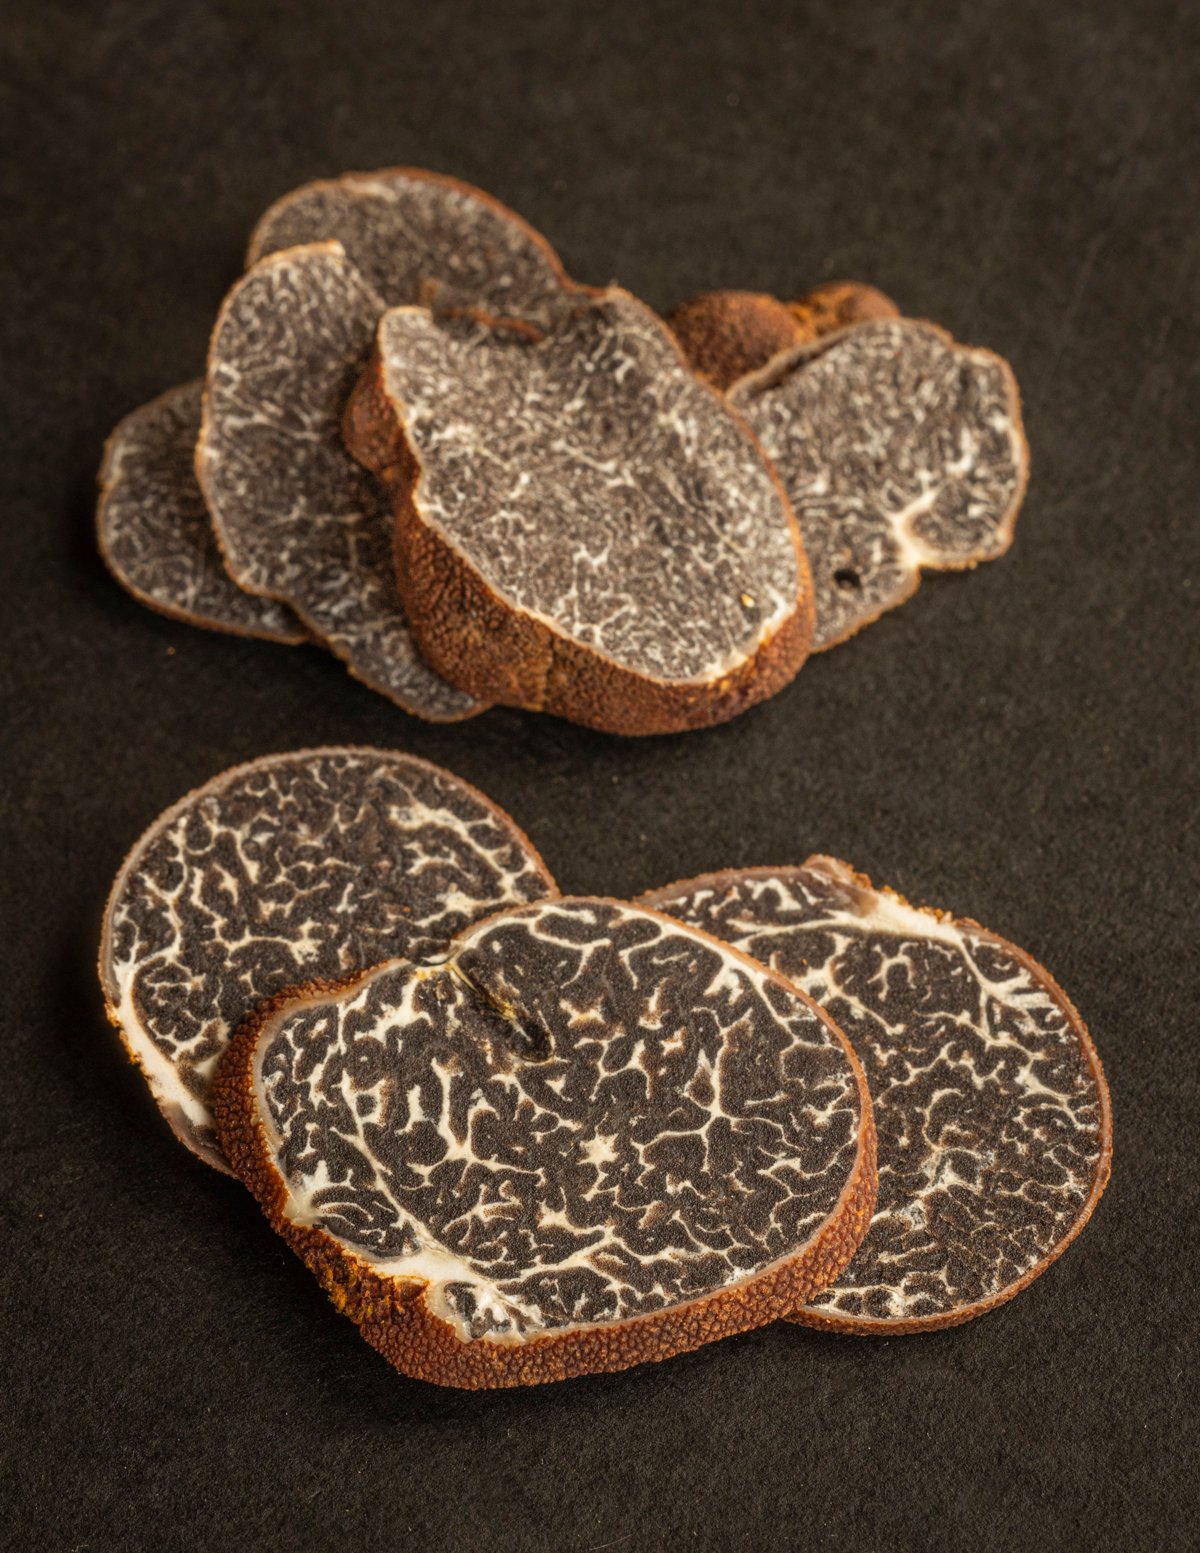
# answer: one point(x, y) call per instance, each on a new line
point(584, 1113)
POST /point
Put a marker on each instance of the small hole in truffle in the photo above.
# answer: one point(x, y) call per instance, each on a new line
point(848, 579)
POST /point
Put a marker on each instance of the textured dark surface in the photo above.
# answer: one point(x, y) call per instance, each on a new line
point(1016, 745)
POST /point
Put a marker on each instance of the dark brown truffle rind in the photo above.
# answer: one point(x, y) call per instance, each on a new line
point(556, 1260)
point(153, 527)
point(661, 492)
point(1022, 1155)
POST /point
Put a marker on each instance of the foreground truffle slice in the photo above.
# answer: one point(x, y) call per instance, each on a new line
point(312, 864)
point(899, 449)
point(587, 1137)
point(995, 1130)
point(582, 526)
point(725, 334)
point(423, 238)
point(154, 531)
point(297, 519)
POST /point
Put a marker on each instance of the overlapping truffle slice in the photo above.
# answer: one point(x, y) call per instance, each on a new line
point(995, 1131)
point(419, 237)
point(899, 449)
point(154, 531)
point(587, 1137)
point(582, 526)
point(725, 334)
point(297, 519)
point(311, 864)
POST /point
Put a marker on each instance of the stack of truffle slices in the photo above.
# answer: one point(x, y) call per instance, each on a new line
point(477, 481)
point(520, 1136)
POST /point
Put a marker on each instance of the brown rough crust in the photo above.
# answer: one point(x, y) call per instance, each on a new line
point(860, 1326)
point(473, 638)
point(727, 334)
point(394, 1318)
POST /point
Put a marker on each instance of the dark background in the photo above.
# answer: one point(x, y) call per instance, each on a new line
point(1018, 745)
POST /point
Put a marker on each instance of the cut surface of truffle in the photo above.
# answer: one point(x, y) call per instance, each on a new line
point(586, 1137)
point(297, 519)
point(154, 531)
point(993, 1116)
point(311, 864)
point(899, 449)
point(582, 526)
point(419, 237)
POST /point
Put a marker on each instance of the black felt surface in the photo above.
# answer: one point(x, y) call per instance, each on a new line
point(1018, 744)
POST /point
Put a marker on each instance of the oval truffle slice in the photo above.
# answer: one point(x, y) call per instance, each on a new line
point(995, 1130)
point(297, 519)
point(154, 531)
point(582, 526)
point(899, 450)
point(587, 1137)
point(419, 237)
point(312, 864)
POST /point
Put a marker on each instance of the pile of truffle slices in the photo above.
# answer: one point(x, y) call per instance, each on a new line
point(478, 481)
point(520, 1136)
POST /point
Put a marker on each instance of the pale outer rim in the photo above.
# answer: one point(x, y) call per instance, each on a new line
point(862, 1326)
point(331, 249)
point(863, 1154)
point(774, 370)
point(262, 762)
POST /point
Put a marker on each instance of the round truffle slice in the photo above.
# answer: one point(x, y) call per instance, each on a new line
point(313, 864)
point(154, 531)
point(725, 334)
point(297, 519)
point(422, 238)
point(995, 1131)
point(583, 527)
point(587, 1137)
point(899, 450)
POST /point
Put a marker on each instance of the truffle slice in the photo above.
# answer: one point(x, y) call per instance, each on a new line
point(995, 1130)
point(725, 334)
point(899, 449)
point(312, 864)
point(154, 531)
point(297, 519)
point(419, 237)
point(582, 526)
point(586, 1137)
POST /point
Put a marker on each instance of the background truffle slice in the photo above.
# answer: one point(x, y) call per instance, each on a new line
point(899, 450)
point(419, 237)
point(995, 1131)
point(296, 517)
point(587, 1138)
point(312, 864)
point(582, 526)
point(154, 531)
point(725, 334)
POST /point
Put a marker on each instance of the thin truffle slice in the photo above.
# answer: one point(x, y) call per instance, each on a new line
point(585, 1138)
point(419, 237)
point(154, 531)
point(995, 1129)
point(312, 864)
point(899, 449)
point(297, 519)
point(582, 527)
point(725, 334)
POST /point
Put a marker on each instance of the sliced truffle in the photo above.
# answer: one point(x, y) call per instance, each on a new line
point(297, 519)
point(995, 1130)
point(725, 334)
point(423, 238)
point(586, 1137)
point(582, 526)
point(899, 449)
point(312, 864)
point(154, 531)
